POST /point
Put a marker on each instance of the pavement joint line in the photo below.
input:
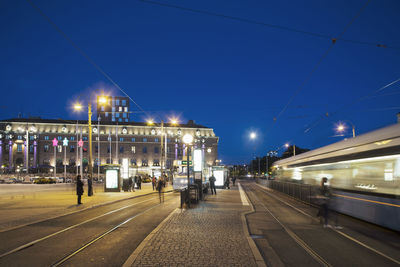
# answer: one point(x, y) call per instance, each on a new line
point(254, 249)
point(337, 231)
point(76, 211)
point(243, 197)
point(132, 258)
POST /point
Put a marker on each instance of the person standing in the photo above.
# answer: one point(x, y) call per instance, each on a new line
point(79, 188)
point(130, 184)
point(212, 184)
point(227, 183)
point(139, 182)
point(233, 180)
point(153, 182)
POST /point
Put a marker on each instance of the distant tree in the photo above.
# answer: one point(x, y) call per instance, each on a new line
point(289, 151)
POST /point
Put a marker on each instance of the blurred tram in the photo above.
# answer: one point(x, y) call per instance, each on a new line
point(363, 171)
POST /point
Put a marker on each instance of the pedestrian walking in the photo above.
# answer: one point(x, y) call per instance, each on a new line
point(153, 182)
point(79, 189)
point(160, 188)
point(326, 205)
point(212, 184)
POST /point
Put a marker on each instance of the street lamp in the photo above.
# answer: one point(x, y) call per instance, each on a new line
point(55, 143)
point(79, 107)
point(341, 127)
point(188, 140)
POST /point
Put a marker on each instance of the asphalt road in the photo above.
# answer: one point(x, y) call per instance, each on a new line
point(110, 232)
point(288, 233)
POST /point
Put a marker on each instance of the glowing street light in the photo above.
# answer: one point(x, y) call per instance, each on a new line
point(102, 100)
point(341, 127)
point(174, 121)
point(150, 122)
point(253, 135)
point(78, 106)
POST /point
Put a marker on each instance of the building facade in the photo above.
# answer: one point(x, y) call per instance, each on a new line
point(115, 110)
point(37, 143)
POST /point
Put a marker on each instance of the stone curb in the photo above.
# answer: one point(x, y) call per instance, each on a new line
point(76, 211)
point(132, 258)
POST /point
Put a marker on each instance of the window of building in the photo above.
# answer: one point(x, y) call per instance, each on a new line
point(133, 161)
point(133, 139)
point(30, 148)
point(117, 102)
point(19, 147)
point(106, 114)
point(124, 115)
point(109, 161)
point(102, 108)
point(120, 120)
point(113, 102)
point(121, 149)
point(144, 162)
point(46, 137)
point(97, 138)
point(97, 149)
point(46, 148)
point(71, 148)
point(156, 140)
point(126, 120)
point(19, 137)
point(123, 102)
point(109, 138)
point(72, 138)
point(133, 149)
point(116, 115)
point(31, 138)
point(59, 148)
point(144, 139)
point(121, 139)
point(108, 150)
point(120, 109)
point(144, 150)
point(126, 109)
point(7, 148)
point(113, 109)
point(84, 138)
point(156, 150)
point(113, 119)
point(59, 138)
point(156, 162)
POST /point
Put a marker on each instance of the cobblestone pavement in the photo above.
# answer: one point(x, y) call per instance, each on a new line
point(209, 234)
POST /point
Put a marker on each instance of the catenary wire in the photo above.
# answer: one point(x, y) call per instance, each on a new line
point(270, 25)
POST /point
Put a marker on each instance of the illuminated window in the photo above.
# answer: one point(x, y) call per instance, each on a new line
point(120, 109)
point(133, 149)
point(46, 148)
point(59, 148)
point(126, 109)
point(133, 161)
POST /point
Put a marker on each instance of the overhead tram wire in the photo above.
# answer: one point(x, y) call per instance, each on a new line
point(91, 61)
point(275, 26)
point(318, 121)
point(301, 87)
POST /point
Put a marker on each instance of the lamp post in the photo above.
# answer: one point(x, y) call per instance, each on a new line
point(98, 149)
point(55, 143)
point(188, 140)
point(342, 127)
point(78, 107)
point(65, 145)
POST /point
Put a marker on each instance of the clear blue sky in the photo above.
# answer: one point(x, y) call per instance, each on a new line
point(229, 75)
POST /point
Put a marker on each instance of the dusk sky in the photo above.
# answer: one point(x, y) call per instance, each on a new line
point(232, 75)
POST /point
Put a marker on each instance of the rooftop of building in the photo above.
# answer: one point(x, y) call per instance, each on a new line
point(189, 124)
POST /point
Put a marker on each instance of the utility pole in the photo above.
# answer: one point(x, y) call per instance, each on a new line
point(90, 166)
point(162, 147)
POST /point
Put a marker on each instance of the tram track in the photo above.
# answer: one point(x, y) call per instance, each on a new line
point(315, 220)
point(318, 258)
point(113, 213)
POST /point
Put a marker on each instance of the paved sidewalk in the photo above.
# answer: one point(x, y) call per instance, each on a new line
point(24, 204)
point(209, 234)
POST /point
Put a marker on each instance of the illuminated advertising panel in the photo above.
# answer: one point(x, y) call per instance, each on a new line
point(219, 177)
point(125, 168)
point(198, 160)
point(112, 179)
